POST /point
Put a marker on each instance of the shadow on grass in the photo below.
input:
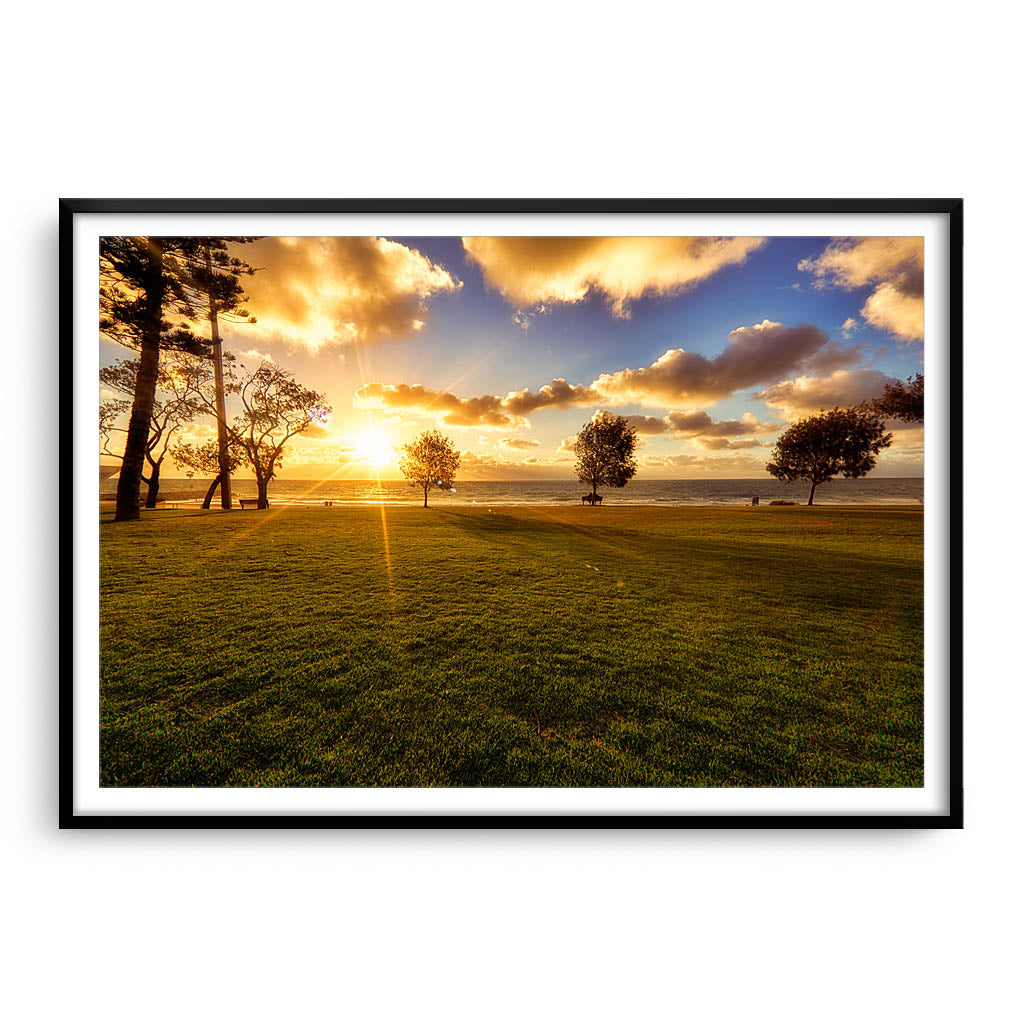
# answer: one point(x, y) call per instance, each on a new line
point(499, 523)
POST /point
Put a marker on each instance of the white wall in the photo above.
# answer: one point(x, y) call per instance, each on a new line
point(876, 99)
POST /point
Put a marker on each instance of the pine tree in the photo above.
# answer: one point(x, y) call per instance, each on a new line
point(144, 305)
point(214, 273)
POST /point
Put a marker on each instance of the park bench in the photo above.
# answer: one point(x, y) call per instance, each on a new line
point(255, 502)
point(591, 499)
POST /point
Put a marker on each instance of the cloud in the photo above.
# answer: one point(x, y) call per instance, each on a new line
point(483, 412)
point(720, 466)
point(832, 357)
point(319, 455)
point(754, 355)
point(518, 443)
point(470, 460)
point(530, 271)
point(892, 309)
point(316, 431)
point(850, 325)
point(698, 423)
point(556, 395)
point(256, 356)
point(762, 353)
point(722, 443)
point(806, 396)
point(493, 467)
point(317, 291)
point(894, 265)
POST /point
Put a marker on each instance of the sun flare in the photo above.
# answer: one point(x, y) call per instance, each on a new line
point(374, 446)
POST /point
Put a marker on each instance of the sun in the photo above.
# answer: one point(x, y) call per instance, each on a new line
point(374, 446)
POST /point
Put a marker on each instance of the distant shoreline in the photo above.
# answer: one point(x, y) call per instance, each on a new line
point(194, 504)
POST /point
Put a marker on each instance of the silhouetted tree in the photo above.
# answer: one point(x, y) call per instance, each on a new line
point(604, 452)
point(214, 273)
point(818, 448)
point(176, 403)
point(275, 408)
point(903, 400)
point(205, 458)
point(145, 306)
point(430, 461)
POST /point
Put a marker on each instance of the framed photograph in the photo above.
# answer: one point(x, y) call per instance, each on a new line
point(511, 513)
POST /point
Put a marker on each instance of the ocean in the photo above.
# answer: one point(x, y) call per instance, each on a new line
point(866, 491)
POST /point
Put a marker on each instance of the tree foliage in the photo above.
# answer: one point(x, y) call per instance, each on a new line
point(149, 287)
point(430, 461)
point(144, 305)
point(903, 400)
point(604, 452)
point(205, 458)
point(275, 408)
point(181, 378)
point(212, 272)
point(818, 448)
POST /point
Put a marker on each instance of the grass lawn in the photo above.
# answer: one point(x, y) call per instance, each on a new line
point(525, 646)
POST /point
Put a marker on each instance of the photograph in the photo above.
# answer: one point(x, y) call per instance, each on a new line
point(513, 513)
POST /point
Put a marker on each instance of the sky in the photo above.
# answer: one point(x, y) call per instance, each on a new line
point(509, 345)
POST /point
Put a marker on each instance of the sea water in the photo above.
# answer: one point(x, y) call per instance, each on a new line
point(865, 491)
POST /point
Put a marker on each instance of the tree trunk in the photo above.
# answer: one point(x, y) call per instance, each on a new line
point(426, 488)
point(218, 382)
point(810, 497)
point(209, 493)
point(153, 487)
point(130, 480)
point(261, 493)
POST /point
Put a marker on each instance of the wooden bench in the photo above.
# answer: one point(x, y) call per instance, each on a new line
point(591, 499)
point(255, 502)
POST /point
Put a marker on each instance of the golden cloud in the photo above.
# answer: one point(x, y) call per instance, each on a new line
point(556, 395)
point(531, 271)
point(762, 352)
point(894, 265)
point(518, 443)
point(722, 467)
point(698, 423)
point(319, 291)
point(485, 411)
point(806, 396)
point(722, 443)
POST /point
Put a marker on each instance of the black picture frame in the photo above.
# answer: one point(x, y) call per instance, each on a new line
point(953, 815)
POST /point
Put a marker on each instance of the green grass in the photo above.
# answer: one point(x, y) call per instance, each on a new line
point(464, 647)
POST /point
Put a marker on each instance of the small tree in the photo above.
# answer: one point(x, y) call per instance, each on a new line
point(205, 458)
point(275, 408)
point(902, 401)
point(430, 461)
point(604, 452)
point(818, 448)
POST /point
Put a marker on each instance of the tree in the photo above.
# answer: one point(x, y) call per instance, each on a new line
point(275, 408)
point(902, 401)
point(180, 379)
point(817, 448)
point(205, 458)
point(430, 461)
point(604, 452)
point(143, 305)
point(213, 272)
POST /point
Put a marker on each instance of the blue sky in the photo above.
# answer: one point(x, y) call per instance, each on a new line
point(796, 324)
